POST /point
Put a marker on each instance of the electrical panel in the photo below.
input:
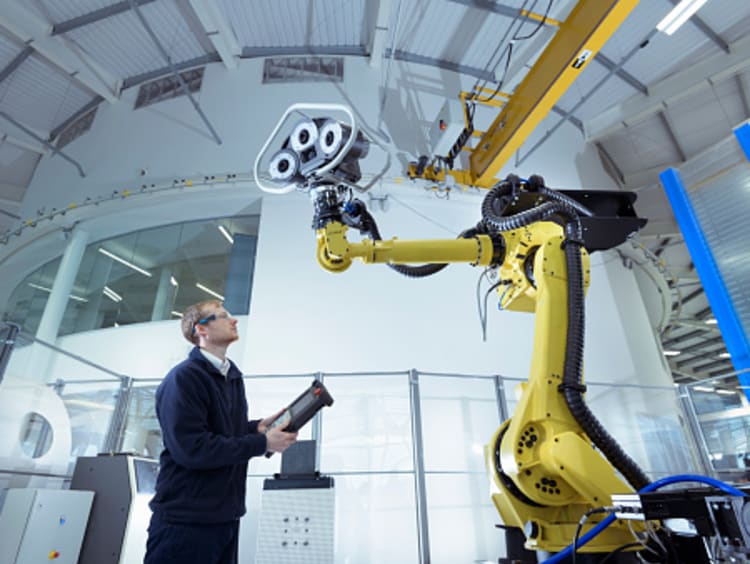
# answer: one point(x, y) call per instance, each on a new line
point(446, 128)
point(39, 525)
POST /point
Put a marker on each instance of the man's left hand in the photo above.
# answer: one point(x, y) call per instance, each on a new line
point(263, 425)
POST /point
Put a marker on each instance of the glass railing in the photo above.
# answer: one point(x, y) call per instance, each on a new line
point(399, 444)
point(720, 410)
point(54, 407)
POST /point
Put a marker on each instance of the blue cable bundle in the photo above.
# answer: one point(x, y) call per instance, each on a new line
point(606, 522)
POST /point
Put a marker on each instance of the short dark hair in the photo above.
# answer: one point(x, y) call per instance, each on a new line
point(192, 315)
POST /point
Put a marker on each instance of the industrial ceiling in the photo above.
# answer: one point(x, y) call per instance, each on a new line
point(647, 102)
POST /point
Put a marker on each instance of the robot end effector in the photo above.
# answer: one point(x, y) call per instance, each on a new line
point(320, 150)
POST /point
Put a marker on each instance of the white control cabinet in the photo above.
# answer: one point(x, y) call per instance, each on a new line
point(43, 525)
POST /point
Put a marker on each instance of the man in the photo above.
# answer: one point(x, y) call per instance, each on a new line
point(208, 440)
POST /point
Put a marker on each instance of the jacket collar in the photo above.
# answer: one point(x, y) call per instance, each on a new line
point(197, 356)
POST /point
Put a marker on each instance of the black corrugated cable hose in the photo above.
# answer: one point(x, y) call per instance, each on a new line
point(572, 387)
point(358, 217)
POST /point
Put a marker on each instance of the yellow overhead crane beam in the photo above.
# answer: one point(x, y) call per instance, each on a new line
point(577, 40)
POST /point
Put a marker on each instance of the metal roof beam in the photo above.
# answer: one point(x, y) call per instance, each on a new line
point(21, 144)
point(726, 363)
point(15, 63)
point(611, 66)
point(743, 84)
point(706, 29)
point(95, 16)
point(685, 337)
point(409, 57)
point(666, 122)
point(609, 164)
point(183, 85)
point(501, 9)
point(322, 50)
point(218, 30)
point(381, 10)
point(665, 92)
point(589, 26)
point(164, 71)
point(703, 344)
point(571, 118)
point(88, 106)
point(43, 141)
point(32, 30)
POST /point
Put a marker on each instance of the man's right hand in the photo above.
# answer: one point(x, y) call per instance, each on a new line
point(278, 440)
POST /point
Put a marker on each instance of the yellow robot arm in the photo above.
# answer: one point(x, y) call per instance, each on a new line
point(545, 469)
point(552, 461)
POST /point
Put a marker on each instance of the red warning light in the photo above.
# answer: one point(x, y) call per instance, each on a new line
point(443, 126)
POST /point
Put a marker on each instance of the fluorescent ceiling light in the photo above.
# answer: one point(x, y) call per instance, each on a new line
point(711, 321)
point(123, 261)
point(703, 389)
point(679, 15)
point(111, 294)
point(725, 355)
point(49, 291)
point(671, 353)
point(177, 313)
point(226, 234)
point(173, 281)
point(209, 291)
point(725, 392)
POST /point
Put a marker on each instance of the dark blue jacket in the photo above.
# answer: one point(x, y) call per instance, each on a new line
point(207, 443)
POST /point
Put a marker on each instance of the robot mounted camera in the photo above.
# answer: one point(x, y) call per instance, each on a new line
point(316, 151)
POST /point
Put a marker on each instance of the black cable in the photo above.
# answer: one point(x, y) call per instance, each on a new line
point(486, 296)
point(538, 27)
point(482, 318)
point(619, 550)
point(490, 65)
point(581, 522)
point(500, 82)
point(509, 49)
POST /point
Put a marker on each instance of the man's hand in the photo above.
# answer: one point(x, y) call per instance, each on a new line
point(263, 425)
point(278, 440)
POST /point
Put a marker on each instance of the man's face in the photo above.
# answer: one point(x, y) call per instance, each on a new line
point(219, 327)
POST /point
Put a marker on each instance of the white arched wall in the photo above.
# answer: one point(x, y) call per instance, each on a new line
point(303, 319)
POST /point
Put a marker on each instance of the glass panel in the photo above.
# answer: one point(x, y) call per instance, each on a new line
point(27, 301)
point(368, 428)
point(142, 434)
point(716, 399)
point(723, 413)
point(148, 275)
point(728, 442)
point(76, 399)
point(643, 420)
point(381, 509)
point(462, 520)
point(265, 397)
point(90, 407)
point(461, 412)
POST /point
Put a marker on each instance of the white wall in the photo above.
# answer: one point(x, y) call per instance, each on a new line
point(303, 319)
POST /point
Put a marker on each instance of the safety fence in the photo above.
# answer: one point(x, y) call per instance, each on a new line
point(405, 448)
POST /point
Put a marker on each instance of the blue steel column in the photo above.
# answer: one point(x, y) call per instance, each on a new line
point(708, 271)
point(420, 487)
point(742, 133)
